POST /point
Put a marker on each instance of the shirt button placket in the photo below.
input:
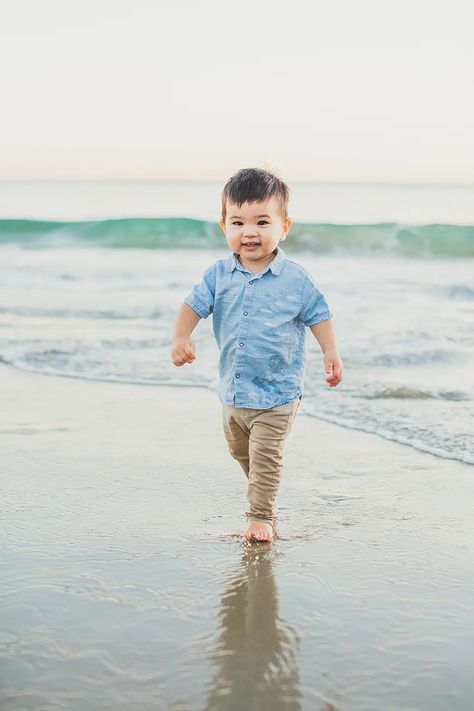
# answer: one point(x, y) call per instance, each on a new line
point(242, 336)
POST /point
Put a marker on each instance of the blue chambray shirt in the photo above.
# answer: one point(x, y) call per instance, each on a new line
point(259, 324)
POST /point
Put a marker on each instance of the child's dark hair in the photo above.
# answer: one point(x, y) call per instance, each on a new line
point(255, 185)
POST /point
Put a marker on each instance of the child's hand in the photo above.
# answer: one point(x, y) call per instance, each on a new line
point(333, 367)
point(184, 351)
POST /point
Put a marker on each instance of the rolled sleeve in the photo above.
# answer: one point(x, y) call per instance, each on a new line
point(201, 298)
point(314, 307)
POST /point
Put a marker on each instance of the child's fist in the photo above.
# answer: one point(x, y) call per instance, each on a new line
point(333, 367)
point(184, 351)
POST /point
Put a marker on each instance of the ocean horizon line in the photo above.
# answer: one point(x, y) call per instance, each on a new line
point(209, 181)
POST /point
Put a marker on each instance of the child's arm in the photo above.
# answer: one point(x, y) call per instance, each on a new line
point(197, 305)
point(184, 350)
point(324, 334)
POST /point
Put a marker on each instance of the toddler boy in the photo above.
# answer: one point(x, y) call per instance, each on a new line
point(261, 304)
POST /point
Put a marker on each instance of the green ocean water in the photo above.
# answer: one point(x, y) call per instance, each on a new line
point(92, 276)
point(185, 233)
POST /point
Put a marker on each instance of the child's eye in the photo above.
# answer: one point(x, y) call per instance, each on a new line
point(237, 222)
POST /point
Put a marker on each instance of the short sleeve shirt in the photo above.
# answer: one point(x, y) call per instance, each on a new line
point(259, 323)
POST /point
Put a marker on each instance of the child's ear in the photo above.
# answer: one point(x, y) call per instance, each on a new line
point(222, 224)
point(286, 227)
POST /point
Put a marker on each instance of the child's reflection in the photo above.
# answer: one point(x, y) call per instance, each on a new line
point(256, 652)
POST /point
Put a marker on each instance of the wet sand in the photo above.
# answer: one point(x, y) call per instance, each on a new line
point(126, 584)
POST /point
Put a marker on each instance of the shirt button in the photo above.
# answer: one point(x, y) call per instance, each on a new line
point(250, 282)
point(237, 375)
point(241, 345)
point(246, 313)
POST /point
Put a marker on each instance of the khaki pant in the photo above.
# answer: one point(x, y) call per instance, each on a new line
point(256, 439)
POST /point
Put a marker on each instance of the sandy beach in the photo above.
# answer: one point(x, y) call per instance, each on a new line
point(126, 583)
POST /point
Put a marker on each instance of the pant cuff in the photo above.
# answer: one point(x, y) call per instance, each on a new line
point(260, 517)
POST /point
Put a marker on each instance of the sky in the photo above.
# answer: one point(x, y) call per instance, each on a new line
point(333, 91)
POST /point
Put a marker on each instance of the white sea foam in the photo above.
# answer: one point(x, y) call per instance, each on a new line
point(404, 328)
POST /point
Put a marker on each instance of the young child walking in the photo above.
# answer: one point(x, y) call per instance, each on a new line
point(261, 303)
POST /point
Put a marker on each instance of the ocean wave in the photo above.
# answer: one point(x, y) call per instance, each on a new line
point(42, 312)
point(463, 292)
point(445, 449)
point(420, 357)
point(406, 393)
point(448, 447)
point(187, 233)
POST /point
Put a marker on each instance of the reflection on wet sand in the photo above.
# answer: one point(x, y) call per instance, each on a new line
point(256, 653)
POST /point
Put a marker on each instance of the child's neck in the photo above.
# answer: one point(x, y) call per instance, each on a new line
point(256, 267)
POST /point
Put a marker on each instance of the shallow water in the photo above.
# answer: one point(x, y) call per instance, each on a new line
point(405, 329)
point(211, 624)
point(128, 585)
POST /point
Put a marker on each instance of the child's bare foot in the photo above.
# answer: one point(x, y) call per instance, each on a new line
point(259, 531)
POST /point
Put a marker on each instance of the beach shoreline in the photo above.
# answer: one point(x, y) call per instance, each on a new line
point(175, 428)
point(123, 514)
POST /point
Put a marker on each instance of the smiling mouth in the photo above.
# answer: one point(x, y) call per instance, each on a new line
point(251, 244)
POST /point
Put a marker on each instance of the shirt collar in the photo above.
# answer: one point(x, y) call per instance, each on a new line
point(275, 265)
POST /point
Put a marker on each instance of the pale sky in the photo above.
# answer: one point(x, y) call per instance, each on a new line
point(332, 91)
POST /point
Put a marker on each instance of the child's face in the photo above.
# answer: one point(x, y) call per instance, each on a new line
point(253, 230)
